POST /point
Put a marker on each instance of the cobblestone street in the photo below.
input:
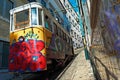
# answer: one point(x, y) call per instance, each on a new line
point(80, 69)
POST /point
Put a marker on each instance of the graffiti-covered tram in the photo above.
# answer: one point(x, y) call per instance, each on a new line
point(36, 39)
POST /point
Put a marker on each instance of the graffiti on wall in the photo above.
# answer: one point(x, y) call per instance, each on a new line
point(112, 23)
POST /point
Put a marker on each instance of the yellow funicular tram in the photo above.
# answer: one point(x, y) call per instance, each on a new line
point(36, 39)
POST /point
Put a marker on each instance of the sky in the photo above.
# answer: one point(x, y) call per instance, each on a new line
point(74, 4)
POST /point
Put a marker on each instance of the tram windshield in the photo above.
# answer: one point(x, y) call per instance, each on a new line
point(26, 16)
point(36, 16)
point(25, 19)
point(21, 19)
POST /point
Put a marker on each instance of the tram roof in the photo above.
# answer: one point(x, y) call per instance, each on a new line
point(25, 6)
point(30, 5)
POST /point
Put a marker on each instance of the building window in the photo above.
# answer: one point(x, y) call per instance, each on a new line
point(5, 6)
point(64, 1)
point(52, 9)
point(73, 23)
point(43, 3)
point(4, 52)
point(70, 10)
point(70, 18)
point(71, 32)
point(32, 0)
point(1, 7)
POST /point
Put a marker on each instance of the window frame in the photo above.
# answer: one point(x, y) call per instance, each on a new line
point(4, 13)
point(40, 14)
point(14, 20)
point(49, 22)
point(36, 17)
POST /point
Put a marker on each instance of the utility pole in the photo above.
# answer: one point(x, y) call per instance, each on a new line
point(84, 29)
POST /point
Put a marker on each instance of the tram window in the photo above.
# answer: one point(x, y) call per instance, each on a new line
point(40, 16)
point(66, 38)
point(50, 27)
point(34, 16)
point(47, 23)
point(58, 31)
point(21, 22)
point(54, 25)
point(55, 29)
point(11, 23)
point(69, 40)
point(62, 34)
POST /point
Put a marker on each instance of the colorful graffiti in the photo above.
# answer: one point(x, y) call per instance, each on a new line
point(112, 23)
point(27, 56)
point(31, 35)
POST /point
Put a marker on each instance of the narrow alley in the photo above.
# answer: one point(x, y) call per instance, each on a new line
point(80, 69)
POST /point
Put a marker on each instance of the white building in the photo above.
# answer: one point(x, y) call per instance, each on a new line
point(75, 27)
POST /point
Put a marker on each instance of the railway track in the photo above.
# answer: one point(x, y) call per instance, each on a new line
point(58, 74)
point(64, 70)
point(51, 75)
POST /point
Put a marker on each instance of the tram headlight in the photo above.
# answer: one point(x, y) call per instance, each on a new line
point(21, 38)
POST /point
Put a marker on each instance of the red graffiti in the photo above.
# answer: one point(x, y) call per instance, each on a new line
point(27, 56)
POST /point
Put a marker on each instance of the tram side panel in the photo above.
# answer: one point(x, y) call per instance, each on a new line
point(56, 48)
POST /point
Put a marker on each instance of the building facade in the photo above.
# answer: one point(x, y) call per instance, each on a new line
point(85, 15)
point(105, 19)
point(74, 24)
point(5, 6)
